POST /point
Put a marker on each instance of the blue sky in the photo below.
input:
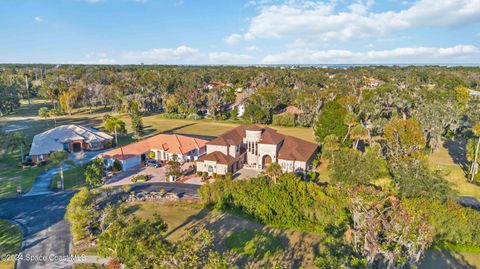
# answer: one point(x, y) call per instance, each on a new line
point(239, 31)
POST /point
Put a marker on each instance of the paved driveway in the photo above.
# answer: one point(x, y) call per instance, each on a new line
point(125, 177)
point(46, 232)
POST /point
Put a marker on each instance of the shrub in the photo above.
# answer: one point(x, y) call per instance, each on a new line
point(117, 166)
point(138, 178)
point(94, 172)
point(453, 224)
point(81, 213)
point(41, 163)
point(229, 176)
point(291, 203)
point(286, 119)
point(172, 116)
point(352, 167)
point(313, 176)
point(414, 179)
point(194, 117)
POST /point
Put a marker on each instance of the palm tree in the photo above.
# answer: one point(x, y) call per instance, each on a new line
point(349, 120)
point(44, 113)
point(274, 171)
point(59, 157)
point(474, 167)
point(358, 133)
point(17, 140)
point(54, 113)
point(330, 146)
point(115, 125)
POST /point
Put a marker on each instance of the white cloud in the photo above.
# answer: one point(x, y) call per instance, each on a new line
point(162, 54)
point(252, 48)
point(459, 53)
point(38, 19)
point(321, 21)
point(233, 39)
point(229, 58)
point(106, 61)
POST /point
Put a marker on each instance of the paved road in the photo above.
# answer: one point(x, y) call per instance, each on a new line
point(46, 232)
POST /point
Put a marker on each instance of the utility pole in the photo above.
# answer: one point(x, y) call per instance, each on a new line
point(28, 91)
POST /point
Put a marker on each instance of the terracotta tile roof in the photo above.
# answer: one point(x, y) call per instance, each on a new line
point(234, 136)
point(172, 143)
point(296, 149)
point(217, 157)
point(270, 136)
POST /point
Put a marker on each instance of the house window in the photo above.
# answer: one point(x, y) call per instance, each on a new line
point(210, 169)
point(40, 157)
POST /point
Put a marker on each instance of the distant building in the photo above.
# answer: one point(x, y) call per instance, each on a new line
point(371, 82)
point(239, 103)
point(72, 138)
point(292, 110)
point(217, 84)
point(256, 147)
point(163, 146)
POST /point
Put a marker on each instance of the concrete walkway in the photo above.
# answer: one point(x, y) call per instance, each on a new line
point(42, 182)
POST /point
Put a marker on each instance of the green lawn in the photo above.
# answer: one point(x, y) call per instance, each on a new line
point(174, 215)
point(74, 178)
point(456, 176)
point(12, 175)
point(443, 161)
point(10, 242)
point(256, 244)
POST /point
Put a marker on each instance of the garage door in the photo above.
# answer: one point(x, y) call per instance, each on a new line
point(131, 162)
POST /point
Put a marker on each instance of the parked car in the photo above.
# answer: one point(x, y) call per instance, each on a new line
point(153, 163)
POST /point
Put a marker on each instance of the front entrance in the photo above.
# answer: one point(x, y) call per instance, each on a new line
point(266, 160)
point(77, 147)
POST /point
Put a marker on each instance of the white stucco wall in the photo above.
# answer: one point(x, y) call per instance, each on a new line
point(293, 166)
point(220, 169)
point(213, 148)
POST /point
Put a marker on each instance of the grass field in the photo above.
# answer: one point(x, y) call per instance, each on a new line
point(73, 178)
point(174, 215)
point(26, 120)
point(12, 175)
point(10, 242)
point(446, 160)
point(255, 244)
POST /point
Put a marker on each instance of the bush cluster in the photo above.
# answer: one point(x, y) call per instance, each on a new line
point(138, 178)
point(173, 116)
point(286, 119)
point(291, 203)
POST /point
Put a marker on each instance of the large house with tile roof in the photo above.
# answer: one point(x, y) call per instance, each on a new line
point(165, 147)
point(256, 147)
